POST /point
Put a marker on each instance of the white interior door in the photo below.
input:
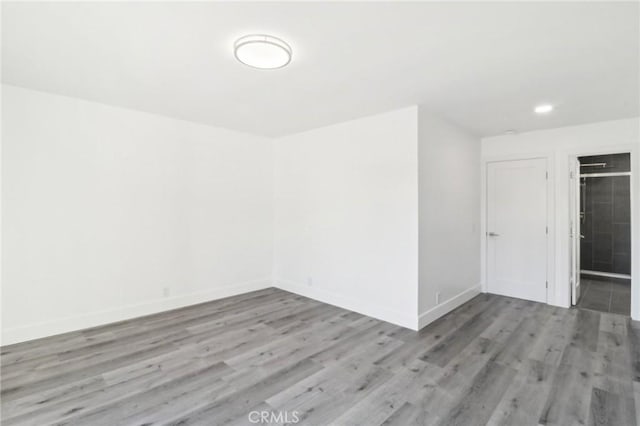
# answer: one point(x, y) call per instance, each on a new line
point(517, 229)
point(574, 233)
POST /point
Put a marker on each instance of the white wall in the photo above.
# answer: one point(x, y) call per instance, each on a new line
point(104, 208)
point(449, 192)
point(558, 145)
point(347, 215)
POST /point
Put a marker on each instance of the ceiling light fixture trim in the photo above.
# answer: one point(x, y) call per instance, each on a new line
point(262, 51)
point(543, 109)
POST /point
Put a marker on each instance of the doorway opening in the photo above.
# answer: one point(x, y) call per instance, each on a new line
point(601, 233)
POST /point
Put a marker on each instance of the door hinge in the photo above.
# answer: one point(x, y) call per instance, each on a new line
point(546, 175)
point(546, 284)
point(571, 175)
point(546, 230)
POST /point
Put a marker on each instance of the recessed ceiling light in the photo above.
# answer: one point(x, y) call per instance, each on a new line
point(543, 109)
point(262, 51)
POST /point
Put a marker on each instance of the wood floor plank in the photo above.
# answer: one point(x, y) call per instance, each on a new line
point(562, 406)
point(204, 381)
point(407, 415)
point(477, 403)
point(587, 329)
point(633, 331)
point(609, 409)
point(554, 337)
point(243, 400)
point(524, 399)
point(494, 360)
point(406, 384)
point(443, 352)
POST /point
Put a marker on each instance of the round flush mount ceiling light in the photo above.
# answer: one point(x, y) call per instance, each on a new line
point(543, 109)
point(262, 51)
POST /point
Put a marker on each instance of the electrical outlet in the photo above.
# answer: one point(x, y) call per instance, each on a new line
point(165, 292)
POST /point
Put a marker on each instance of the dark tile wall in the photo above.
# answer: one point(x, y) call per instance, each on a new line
point(615, 163)
point(606, 223)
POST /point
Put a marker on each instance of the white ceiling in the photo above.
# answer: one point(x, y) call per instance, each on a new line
point(482, 65)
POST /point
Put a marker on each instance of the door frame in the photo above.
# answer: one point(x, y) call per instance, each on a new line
point(575, 233)
point(635, 209)
point(484, 241)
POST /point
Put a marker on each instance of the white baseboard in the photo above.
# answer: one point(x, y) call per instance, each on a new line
point(379, 312)
point(447, 306)
point(93, 319)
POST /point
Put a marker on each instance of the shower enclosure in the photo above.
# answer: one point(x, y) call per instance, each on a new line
point(605, 215)
point(604, 234)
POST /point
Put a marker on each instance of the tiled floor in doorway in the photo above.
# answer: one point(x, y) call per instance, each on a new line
point(605, 295)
